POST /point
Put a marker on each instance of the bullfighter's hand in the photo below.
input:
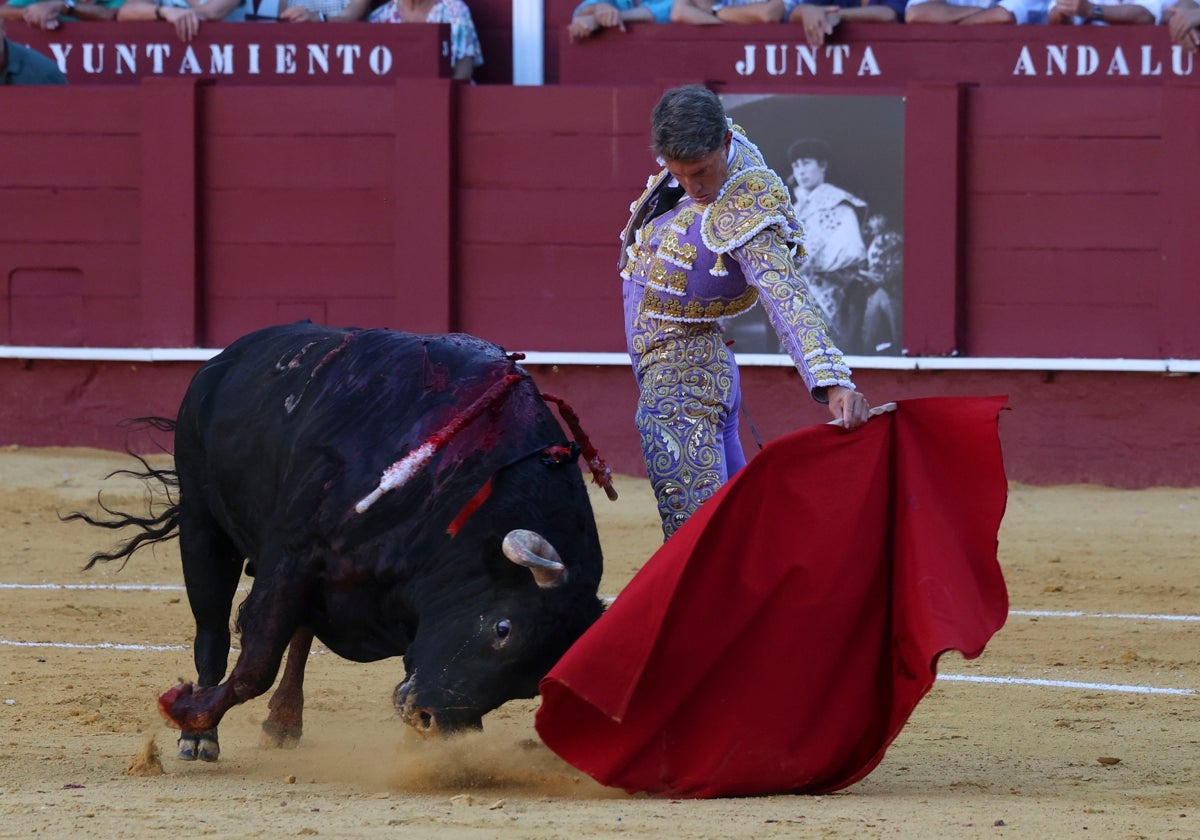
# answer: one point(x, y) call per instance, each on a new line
point(850, 408)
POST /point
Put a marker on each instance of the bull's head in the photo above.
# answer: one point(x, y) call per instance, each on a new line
point(456, 674)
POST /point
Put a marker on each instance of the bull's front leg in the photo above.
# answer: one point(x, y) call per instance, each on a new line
point(268, 619)
point(285, 724)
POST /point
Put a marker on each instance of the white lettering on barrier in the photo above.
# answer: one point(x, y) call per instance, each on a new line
point(318, 58)
point(1150, 65)
point(126, 58)
point(156, 53)
point(93, 59)
point(326, 59)
point(833, 59)
point(285, 59)
point(1088, 61)
point(61, 53)
point(349, 53)
point(221, 59)
point(1077, 61)
point(380, 60)
point(189, 64)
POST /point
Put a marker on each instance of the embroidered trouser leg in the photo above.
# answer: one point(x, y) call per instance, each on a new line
point(686, 414)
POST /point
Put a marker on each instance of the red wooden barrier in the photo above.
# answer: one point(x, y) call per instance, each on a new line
point(1045, 216)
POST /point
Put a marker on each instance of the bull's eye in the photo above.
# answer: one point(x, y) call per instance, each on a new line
point(503, 628)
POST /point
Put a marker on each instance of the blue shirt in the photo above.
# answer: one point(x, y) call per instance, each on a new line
point(661, 9)
point(29, 67)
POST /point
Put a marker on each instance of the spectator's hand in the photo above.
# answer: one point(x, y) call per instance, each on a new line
point(582, 27)
point(1064, 11)
point(43, 15)
point(1182, 26)
point(849, 408)
point(607, 15)
point(297, 14)
point(815, 20)
point(185, 21)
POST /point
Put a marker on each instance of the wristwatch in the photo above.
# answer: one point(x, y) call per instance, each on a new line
point(1097, 12)
point(68, 7)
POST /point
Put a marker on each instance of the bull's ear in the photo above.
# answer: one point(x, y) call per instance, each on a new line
point(532, 550)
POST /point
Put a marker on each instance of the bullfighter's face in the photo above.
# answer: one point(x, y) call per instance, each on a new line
point(703, 177)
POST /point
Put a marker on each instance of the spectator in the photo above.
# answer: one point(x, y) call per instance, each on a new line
point(465, 51)
point(820, 19)
point(730, 11)
point(46, 14)
point(1118, 12)
point(20, 65)
point(1183, 22)
point(316, 10)
point(591, 16)
point(184, 16)
point(974, 11)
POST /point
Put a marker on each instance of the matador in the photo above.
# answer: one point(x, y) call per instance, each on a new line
point(686, 265)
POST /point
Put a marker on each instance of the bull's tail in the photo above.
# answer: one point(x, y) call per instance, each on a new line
point(153, 528)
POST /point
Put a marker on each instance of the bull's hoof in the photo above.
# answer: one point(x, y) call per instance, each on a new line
point(169, 698)
point(279, 736)
point(199, 745)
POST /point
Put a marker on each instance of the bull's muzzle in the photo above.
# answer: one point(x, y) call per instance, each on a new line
point(422, 719)
point(427, 719)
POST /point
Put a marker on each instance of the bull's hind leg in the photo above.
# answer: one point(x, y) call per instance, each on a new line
point(285, 723)
point(212, 568)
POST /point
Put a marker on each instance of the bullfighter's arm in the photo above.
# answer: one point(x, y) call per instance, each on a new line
point(766, 260)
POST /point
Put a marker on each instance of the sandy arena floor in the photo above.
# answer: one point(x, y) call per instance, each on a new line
point(1091, 729)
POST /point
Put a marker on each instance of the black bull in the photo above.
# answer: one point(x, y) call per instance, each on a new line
point(480, 564)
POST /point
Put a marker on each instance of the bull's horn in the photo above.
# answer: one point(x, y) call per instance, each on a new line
point(531, 549)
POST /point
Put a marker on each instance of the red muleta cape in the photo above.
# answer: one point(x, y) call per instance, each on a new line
point(781, 639)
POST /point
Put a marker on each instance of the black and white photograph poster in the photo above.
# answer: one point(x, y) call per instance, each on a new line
point(843, 160)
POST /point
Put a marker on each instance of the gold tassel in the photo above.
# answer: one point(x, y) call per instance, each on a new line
point(718, 269)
